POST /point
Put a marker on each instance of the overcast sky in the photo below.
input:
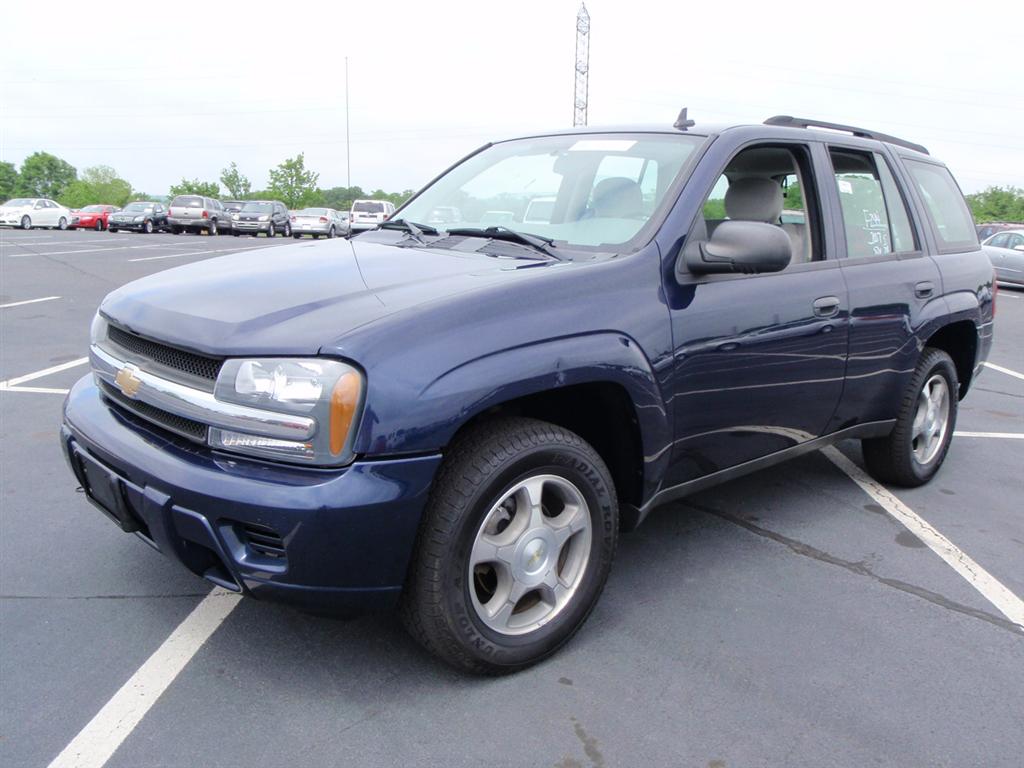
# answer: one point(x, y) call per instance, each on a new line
point(160, 91)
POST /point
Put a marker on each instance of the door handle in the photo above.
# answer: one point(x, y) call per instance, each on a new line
point(826, 306)
point(924, 289)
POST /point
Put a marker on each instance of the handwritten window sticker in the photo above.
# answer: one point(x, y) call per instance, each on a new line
point(845, 187)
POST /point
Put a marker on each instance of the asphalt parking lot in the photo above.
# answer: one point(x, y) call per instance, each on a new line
point(783, 619)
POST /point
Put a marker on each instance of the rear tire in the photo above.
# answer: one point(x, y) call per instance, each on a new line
point(297, 236)
point(112, 230)
point(287, 229)
point(330, 233)
point(176, 230)
point(545, 575)
point(213, 228)
point(915, 449)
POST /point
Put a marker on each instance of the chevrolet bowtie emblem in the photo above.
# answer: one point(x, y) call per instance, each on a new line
point(127, 381)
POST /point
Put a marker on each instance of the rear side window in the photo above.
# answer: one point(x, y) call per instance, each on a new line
point(875, 218)
point(950, 219)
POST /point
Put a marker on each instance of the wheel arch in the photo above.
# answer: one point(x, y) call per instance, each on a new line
point(959, 340)
point(599, 385)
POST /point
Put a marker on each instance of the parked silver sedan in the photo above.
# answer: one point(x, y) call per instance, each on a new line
point(1006, 252)
point(318, 221)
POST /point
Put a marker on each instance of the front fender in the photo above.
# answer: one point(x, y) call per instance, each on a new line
point(428, 422)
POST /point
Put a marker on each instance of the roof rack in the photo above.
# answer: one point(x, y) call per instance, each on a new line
point(802, 122)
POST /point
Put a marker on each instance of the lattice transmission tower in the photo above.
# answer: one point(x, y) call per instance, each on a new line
point(579, 99)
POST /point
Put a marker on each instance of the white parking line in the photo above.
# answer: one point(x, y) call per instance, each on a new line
point(101, 737)
point(84, 250)
point(11, 385)
point(28, 301)
point(1011, 606)
point(1002, 435)
point(190, 253)
point(1007, 371)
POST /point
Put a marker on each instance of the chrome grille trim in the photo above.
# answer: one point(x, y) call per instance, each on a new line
point(199, 405)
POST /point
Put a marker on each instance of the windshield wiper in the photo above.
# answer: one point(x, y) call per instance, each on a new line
point(417, 231)
point(543, 244)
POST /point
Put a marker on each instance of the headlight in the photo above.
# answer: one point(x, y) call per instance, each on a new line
point(264, 218)
point(234, 216)
point(140, 218)
point(98, 329)
point(328, 391)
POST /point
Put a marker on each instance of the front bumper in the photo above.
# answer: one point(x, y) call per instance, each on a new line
point(324, 539)
point(130, 225)
point(252, 226)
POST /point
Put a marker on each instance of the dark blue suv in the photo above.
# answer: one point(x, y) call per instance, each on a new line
point(459, 417)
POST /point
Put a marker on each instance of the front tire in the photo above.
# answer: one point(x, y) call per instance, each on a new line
point(915, 449)
point(62, 224)
point(99, 225)
point(270, 231)
point(26, 222)
point(112, 230)
point(515, 546)
point(147, 226)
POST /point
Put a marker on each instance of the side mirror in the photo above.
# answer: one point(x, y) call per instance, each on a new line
point(741, 246)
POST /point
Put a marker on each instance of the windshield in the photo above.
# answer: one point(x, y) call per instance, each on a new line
point(19, 202)
point(587, 190)
point(93, 209)
point(312, 212)
point(138, 207)
point(368, 206)
point(258, 208)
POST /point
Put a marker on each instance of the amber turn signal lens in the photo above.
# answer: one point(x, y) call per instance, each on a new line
point(344, 401)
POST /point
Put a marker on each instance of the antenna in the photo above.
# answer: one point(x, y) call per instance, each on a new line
point(683, 122)
point(579, 99)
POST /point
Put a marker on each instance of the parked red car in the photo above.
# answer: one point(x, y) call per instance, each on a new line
point(92, 217)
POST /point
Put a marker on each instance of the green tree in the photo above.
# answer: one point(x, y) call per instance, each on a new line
point(195, 187)
point(997, 204)
point(237, 185)
point(8, 181)
point(292, 184)
point(99, 184)
point(341, 198)
point(45, 175)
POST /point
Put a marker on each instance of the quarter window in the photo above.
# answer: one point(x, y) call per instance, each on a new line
point(875, 218)
point(950, 219)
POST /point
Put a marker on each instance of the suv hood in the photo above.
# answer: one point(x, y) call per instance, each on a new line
point(295, 299)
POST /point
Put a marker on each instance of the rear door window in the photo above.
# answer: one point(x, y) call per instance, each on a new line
point(875, 217)
point(947, 212)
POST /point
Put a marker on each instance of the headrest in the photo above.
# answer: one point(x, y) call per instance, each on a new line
point(617, 198)
point(754, 199)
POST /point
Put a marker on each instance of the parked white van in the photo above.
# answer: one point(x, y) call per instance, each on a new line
point(367, 214)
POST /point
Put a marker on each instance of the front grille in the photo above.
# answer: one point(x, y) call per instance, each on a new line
point(264, 541)
point(199, 366)
point(193, 430)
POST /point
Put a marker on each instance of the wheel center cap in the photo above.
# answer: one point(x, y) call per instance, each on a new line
point(535, 556)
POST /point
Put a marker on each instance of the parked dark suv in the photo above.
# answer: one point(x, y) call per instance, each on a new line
point(460, 419)
point(267, 216)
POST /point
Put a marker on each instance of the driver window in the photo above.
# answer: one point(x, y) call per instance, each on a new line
point(769, 184)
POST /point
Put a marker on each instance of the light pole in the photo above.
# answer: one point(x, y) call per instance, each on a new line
point(348, 150)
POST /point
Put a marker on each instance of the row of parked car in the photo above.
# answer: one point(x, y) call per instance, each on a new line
point(197, 213)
